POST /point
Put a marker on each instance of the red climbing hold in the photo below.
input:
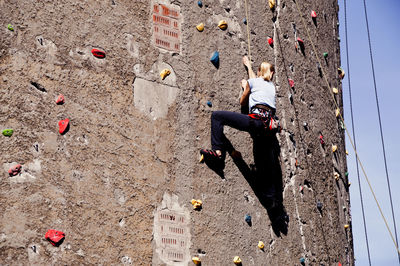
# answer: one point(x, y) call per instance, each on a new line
point(55, 237)
point(300, 41)
point(313, 14)
point(321, 139)
point(99, 54)
point(270, 41)
point(63, 124)
point(60, 99)
point(291, 83)
point(15, 170)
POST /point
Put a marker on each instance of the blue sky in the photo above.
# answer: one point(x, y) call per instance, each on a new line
point(384, 24)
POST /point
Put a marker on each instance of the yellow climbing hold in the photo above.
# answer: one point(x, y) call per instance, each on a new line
point(201, 159)
point(347, 152)
point(260, 245)
point(336, 175)
point(164, 73)
point(237, 260)
point(196, 204)
point(337, 112)
point(223, 25)
point(271, 4)
point(334, 148)
point(196, 260)
point(335, 90)
point(341, 73)
point(200, 27)
point(346, 226)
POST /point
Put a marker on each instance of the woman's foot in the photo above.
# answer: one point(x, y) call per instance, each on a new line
point(215, 155)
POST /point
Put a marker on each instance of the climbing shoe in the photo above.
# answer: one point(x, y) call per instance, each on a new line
point(210, 155)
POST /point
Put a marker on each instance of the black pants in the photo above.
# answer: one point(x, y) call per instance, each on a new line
point(235, 120)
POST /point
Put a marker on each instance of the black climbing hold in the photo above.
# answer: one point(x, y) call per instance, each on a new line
point(38, 86)
point(247, 218)
point(319, 69)
point(319, 206)
point(285, 36)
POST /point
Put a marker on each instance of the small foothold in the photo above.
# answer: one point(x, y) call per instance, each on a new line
point(55, 237)
point(270, 41)
point(215, 59)
point(209, 103)
point(201, 159)
point(305, 125)
point(341, 73)
point(296, 163)
point(313, 14)
point(335, 90)
point(319, 205)
point(261, 245)
point(247, 218)
point(302, 260)
point(349, 184)
point(334, 148)
point(200, 4)
point(237, 260)
point(301, 189)
point(300, 41)
point(7, 132)
point(197, 204)
point(15, 170)
point(200, 27)
point(98, 54)
point(63, 125)
point(245, 21)
point(321, 139)
point(291, 83)
point(337, 112)
point(347, 152)
point(271, 4)
point(346, 226)
point(223, 25)
point(60, 99)
point(342, 125)
point(336, 175)
point(325, 55)
point(10, 27)
point(164, 73)
point(196, 260)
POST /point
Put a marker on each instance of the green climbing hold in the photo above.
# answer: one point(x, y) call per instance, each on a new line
point(10, 27)
point(8, 132)
point(346, 174)
point(325, 55)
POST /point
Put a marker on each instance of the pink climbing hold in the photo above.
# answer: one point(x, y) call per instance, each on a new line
point(300, 41)
point(291, 83)
point(313, 14)
point(63, 124)
point(60, 99)
point(15, 170)
point(270, 41)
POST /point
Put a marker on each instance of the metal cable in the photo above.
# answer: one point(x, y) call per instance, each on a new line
point(354, 133)
point(380, 126)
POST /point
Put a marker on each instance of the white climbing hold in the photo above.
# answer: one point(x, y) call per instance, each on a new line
point(335, 90)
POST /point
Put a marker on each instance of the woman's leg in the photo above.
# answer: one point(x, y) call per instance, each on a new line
point(235, 120)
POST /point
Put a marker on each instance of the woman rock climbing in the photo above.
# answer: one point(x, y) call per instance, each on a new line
point(259, 96)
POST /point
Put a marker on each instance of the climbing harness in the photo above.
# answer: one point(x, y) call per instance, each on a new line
point(345, 128)
point(270, 120)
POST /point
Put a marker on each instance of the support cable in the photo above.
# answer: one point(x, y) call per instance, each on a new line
point(380, 126)
point(354, 134)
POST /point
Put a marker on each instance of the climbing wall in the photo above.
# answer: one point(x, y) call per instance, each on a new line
point(119, 180)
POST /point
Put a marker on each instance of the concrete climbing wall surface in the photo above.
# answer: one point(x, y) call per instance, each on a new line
point(119, 181)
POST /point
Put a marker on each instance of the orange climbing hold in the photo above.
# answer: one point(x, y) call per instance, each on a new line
point(271, 4)
point(63, 125)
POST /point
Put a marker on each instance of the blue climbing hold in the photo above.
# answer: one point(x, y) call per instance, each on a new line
point(247, 218)
point(209, 103)
point(215, 59)
point(245, 21)
point(199, 3)
point(302, 260)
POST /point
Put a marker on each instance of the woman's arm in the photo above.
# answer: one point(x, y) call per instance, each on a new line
point(244, 99)
point(247, 64)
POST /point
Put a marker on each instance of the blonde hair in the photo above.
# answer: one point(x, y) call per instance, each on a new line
point(266, 71)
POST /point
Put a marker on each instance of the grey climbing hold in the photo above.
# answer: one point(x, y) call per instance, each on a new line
point(319, 206)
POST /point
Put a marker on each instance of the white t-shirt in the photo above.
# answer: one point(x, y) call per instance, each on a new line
point(261, 92)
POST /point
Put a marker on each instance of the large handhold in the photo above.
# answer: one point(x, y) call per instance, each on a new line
point(98, 54)
point(165, 73)
point(7, 132)
point(197, 204)
point(55, 237)
point(223, 25)
point(15, 170)
point(196, 260)
point(271, 4)
point(200, 27)
point(63, 126)
point(260, 245)
point(237, 260)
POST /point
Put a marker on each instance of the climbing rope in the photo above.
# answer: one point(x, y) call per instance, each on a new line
point(345, 128)
point(354, 134)
point(380, 126)
point(248, 31)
